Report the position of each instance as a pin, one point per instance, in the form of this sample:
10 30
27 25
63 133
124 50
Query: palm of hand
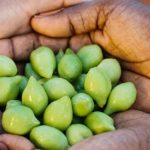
122 45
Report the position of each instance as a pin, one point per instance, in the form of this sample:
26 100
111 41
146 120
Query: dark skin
120 27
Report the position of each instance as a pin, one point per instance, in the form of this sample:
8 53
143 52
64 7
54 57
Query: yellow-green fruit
59 113
70 66
121 98
7 66
112 68
34 96
13 103
58 87
19 120
9 88
43 61
82 104
48 138
30 72
99 122
90 56
98 86
77 133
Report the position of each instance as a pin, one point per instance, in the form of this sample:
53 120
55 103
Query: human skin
122 30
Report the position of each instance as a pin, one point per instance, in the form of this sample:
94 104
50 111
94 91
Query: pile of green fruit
63 99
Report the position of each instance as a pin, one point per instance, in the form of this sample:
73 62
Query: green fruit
43 61
112 68
99 122
79 83
23 84
7 66
13 103
82 104
98 85
121 98
59 55
34 96
9 88
30 72
19 120
59 113
77 133
90 55
48 138
70 66
58 87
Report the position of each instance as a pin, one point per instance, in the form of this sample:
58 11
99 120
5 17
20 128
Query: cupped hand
17 38
122 29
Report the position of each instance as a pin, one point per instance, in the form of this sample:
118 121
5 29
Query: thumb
18 14
15 142
3 146
78 19
48 5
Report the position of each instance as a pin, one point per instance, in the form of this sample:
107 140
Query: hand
122 29
22 43
17 40
132 134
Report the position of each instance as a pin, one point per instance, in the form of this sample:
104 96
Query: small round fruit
78 132
90 56
48 138
19 120
7 66
99 122
112 68
121 98
70 67
82 104
58 87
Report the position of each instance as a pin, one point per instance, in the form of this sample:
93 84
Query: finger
142 84
15 142
3 146
26 9
142 68
127 137
146 2
78 19
20 47
124 139
131 118
54 43
76 42
47 5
